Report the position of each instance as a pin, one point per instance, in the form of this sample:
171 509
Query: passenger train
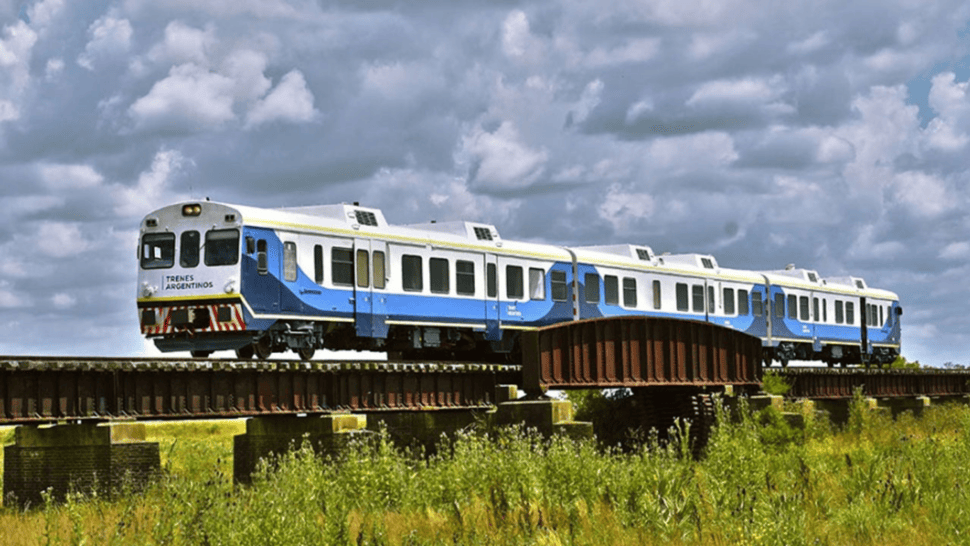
216 277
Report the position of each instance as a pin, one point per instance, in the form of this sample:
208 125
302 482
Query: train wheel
306 354
245 353
200 354
262 348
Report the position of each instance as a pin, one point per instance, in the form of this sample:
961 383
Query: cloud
61 177
190 99
152 187
60 240
184 44
499 161
290 101
110 38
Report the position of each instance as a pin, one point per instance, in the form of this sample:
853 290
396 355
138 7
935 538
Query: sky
831 135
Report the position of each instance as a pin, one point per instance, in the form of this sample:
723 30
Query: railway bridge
79 418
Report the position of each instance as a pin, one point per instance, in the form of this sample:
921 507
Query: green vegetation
878 481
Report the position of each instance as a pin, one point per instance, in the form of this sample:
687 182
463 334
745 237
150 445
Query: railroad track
52 389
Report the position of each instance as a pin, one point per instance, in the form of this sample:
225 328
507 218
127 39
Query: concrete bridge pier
272 436
548 416
99 458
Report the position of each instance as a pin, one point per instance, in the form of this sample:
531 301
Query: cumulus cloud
500 161
190 99
290 101
152 188
110 38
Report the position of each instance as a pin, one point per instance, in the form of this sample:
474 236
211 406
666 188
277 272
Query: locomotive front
189 278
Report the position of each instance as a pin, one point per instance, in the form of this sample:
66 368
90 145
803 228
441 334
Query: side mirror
899 311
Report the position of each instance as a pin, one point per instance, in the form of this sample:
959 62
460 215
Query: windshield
157 250
222 247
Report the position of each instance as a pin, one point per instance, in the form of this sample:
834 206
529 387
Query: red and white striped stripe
163 319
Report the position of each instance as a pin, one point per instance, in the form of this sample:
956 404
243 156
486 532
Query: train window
728 301
815 315
363 269
849 312
656 295
710 300
439 275
537 284
629 292
743 302
250 245
757 304
839 313
683 300
189 244
222 247
262 264
697 293
803 308
557 285
779 305
342 266
491 280
158 250
318 264
792 307
412 276
825 310
611 289
380 269
513 282
465 278
289 261
592 288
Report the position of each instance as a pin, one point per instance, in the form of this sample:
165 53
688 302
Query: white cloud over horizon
833 136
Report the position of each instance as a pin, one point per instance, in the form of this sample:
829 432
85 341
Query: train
223 277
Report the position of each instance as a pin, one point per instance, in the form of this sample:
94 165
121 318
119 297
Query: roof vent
643 254
365 218
483 234
707 263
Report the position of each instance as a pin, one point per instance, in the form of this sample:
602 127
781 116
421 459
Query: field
874 481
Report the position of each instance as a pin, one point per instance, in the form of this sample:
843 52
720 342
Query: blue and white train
217 277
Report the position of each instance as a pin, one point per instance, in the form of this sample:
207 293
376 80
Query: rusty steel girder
891 383
638 352
37 390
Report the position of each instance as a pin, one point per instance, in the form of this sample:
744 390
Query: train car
218 277
339 277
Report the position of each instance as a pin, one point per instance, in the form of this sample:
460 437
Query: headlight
191 210
147 291
231 286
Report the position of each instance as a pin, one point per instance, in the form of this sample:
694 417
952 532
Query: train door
370 284
760 312
512 308
493 325
710 300
262 284
289 293
816 300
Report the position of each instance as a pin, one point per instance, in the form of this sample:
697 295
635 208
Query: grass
877 481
